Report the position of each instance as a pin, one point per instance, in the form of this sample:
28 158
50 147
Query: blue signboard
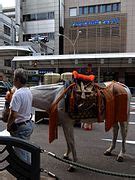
96 22
44 71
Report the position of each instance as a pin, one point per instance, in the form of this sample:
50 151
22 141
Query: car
4 87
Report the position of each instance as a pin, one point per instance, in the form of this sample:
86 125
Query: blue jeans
24 132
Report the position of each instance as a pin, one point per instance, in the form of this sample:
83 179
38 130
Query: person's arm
11 119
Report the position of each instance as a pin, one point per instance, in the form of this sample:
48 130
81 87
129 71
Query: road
90 147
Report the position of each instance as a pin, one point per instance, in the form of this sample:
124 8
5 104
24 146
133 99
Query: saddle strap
53 116
63 93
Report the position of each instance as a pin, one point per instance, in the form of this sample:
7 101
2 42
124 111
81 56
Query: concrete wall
43 26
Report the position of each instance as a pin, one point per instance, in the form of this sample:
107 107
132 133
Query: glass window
80 10
108 8
42 16
92 9
7 62
33 17
26 17
116 7
6 30
85 10
102 9
51 15
73 12
39 16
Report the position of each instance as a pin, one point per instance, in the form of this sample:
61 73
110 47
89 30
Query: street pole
72 43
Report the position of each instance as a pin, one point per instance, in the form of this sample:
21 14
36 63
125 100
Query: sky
7 3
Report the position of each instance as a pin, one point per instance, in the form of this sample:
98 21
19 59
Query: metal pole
72 43
76 40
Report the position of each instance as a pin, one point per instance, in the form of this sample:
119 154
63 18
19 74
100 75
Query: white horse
45 95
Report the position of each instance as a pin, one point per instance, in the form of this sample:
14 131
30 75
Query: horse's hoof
66 158
71 169
120 159
107 153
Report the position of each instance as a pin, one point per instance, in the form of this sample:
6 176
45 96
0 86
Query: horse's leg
114 139
68 128
123 128
68 151
67 125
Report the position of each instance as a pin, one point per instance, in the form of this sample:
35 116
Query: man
19 121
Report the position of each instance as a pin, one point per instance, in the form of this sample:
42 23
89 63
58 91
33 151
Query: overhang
75 56
10 49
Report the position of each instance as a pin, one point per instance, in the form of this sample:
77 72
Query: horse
50 97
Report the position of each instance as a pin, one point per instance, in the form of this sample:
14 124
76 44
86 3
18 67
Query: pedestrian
19 122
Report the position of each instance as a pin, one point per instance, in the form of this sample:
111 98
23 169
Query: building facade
7 29
41 19
106 27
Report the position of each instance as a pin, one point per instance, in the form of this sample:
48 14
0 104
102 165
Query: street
90 146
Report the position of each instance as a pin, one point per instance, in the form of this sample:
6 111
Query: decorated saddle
83 97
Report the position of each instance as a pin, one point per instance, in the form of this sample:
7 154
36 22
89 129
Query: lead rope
83 167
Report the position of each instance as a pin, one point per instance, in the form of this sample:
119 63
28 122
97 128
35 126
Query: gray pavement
90 148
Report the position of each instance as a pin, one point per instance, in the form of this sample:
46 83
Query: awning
74 56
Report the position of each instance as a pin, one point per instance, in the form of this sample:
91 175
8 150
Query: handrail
17 167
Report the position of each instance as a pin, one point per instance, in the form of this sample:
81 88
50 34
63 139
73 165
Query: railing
14 165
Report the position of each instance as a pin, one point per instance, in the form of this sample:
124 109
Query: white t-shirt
22 104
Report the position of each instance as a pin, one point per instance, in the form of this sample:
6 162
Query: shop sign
44 71
96 22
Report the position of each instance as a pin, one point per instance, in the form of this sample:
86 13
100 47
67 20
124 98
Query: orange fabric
83 77
110 111
8 96
53 116
72 102
120 102
116 105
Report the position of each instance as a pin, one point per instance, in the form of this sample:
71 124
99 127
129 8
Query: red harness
76 75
